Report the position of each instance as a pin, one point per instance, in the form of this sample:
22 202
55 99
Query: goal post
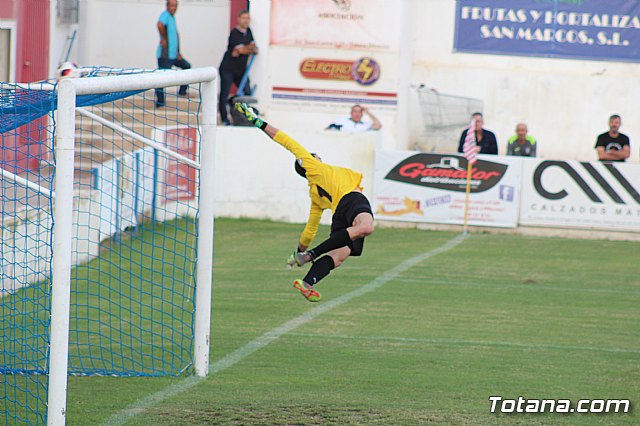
205 228
68 91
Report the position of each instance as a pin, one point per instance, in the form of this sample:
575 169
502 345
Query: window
7 51
68 11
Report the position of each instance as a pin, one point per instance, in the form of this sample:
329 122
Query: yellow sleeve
308 161
310 231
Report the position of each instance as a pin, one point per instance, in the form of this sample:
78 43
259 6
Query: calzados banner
589 195
589 29
418 187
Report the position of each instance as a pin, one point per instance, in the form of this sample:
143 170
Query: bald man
522 144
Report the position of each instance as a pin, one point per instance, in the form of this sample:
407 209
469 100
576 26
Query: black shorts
350 206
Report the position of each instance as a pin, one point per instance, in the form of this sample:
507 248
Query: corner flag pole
469 152
466 199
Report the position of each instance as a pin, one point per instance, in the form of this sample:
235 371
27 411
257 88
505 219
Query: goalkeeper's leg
320 269
353 221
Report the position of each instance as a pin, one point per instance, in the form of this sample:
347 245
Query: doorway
7 51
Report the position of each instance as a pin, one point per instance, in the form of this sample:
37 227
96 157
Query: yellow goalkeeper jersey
327 184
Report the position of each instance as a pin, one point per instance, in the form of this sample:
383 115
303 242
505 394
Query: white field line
241 353
462 342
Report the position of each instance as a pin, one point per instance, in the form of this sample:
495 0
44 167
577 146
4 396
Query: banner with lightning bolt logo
364 71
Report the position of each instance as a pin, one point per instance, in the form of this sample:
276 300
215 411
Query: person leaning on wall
355 122
613 145
168 51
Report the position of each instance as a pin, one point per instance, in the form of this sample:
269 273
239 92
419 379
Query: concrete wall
565 102
123 33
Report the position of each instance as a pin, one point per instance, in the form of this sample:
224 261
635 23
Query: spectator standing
234 62
168 52
613 145
486 142
522 144
354 122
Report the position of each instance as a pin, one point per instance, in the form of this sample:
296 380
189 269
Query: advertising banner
574 29
116 182
337 24
420 187
180 179
330 81
582 195
326 55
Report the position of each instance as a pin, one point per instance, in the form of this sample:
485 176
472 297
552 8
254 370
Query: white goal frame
68 89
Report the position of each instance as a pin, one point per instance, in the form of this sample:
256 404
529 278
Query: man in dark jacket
234 62
485 140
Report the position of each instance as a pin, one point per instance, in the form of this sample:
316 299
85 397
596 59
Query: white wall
58 34
123 33
565 102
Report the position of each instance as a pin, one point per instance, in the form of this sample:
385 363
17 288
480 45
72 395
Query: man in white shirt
354 123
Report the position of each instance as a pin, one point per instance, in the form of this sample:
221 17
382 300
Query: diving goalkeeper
331 187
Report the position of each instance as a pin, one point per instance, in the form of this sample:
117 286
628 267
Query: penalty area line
241 353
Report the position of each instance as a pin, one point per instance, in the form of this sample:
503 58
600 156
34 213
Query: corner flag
469 152
469 147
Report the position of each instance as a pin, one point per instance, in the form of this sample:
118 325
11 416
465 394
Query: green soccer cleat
307 291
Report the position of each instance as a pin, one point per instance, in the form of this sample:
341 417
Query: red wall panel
33 40
22 149
6 9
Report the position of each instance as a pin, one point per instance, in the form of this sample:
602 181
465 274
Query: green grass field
496 315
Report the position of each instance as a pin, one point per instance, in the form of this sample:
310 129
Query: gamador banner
419 187
574 29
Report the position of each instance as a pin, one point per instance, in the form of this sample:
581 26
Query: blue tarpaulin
20 106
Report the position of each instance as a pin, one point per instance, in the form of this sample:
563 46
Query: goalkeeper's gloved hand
250 114
291 261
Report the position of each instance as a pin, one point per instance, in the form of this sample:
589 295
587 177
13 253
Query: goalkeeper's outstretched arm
310 163
270 130
251 116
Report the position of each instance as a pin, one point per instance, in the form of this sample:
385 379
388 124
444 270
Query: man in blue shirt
168 52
